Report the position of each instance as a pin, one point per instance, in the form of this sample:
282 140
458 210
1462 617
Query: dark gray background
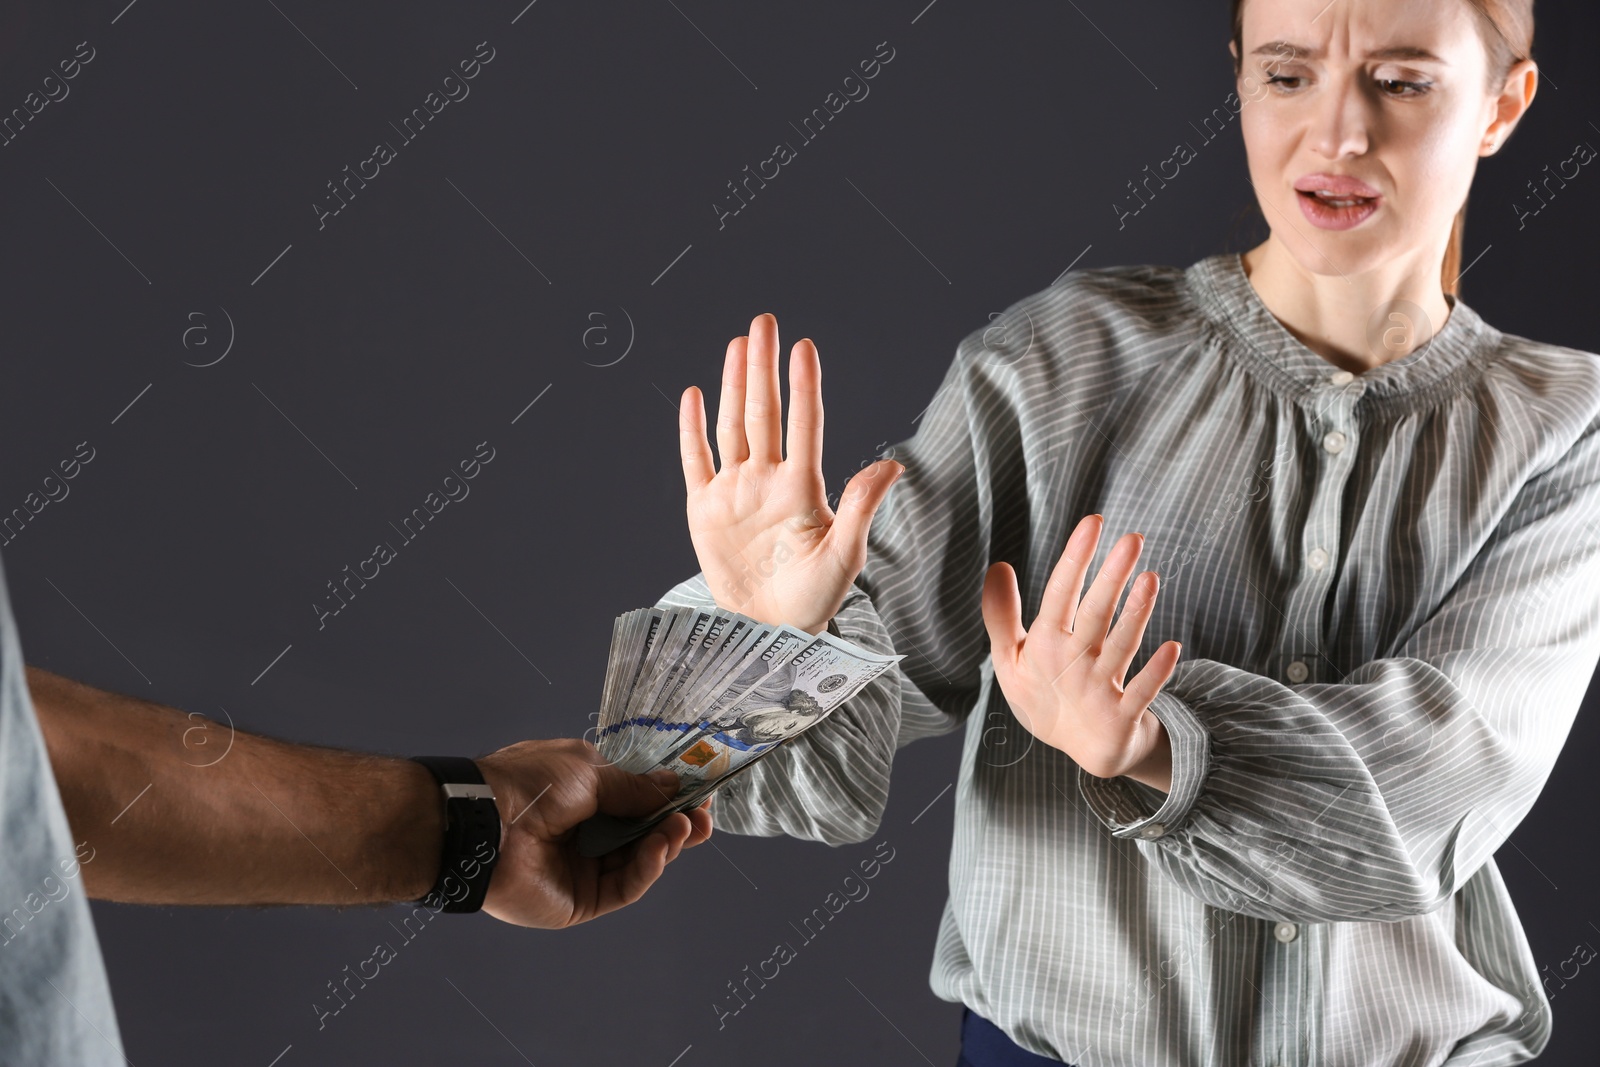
190 150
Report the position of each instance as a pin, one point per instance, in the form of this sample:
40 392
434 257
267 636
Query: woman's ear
1522 82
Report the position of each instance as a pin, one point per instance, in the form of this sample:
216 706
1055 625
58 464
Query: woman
1377 516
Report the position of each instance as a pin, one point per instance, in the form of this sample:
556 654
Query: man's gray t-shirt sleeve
55 1003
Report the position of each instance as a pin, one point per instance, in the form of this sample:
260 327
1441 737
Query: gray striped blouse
1385 585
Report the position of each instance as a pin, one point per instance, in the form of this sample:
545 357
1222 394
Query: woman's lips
1337 212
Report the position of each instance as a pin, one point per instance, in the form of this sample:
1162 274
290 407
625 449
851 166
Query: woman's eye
1396 87
1284 81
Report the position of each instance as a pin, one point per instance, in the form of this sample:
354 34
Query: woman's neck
1354 321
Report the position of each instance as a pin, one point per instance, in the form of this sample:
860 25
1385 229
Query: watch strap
471 835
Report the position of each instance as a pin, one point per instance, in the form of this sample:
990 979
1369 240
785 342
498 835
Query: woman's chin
1340 254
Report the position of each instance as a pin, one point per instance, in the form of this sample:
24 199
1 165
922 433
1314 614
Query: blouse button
1343 377
1297 671
1317 558
1334 442
1285 932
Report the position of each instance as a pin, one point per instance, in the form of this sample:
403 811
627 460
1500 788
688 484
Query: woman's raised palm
768 543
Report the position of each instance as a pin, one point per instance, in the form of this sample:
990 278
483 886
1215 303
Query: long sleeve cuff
1133 809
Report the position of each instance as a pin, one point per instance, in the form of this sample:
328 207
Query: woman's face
1382 105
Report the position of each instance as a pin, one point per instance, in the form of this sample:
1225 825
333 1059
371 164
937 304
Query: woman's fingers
750 411
731 444
1058 607
692 444
1100 602
805 406
1144 686
763 408
1123 642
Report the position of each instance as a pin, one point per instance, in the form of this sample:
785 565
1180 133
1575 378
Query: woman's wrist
1155 770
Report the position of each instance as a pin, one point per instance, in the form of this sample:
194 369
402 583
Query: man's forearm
172 820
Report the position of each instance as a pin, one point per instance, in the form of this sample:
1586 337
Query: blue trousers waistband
983 1044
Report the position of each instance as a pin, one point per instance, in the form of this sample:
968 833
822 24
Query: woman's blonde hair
1507 30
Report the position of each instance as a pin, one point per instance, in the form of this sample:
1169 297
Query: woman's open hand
768 543
1064 677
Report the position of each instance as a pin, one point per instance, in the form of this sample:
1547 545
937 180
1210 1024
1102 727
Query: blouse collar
1445 365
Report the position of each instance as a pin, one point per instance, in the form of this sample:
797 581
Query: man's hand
1064 677
544 789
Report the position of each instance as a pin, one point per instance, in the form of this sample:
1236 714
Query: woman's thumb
857 504
1002 615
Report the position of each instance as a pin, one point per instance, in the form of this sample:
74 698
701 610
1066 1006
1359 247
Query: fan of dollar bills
707 693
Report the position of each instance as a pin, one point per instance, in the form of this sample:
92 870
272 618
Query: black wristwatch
471 835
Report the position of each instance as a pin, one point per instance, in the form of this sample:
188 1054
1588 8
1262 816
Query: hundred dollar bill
656 711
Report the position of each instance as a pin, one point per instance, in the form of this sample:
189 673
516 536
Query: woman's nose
1340 122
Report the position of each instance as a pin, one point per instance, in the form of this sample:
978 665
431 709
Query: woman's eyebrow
1407 52
1288 50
